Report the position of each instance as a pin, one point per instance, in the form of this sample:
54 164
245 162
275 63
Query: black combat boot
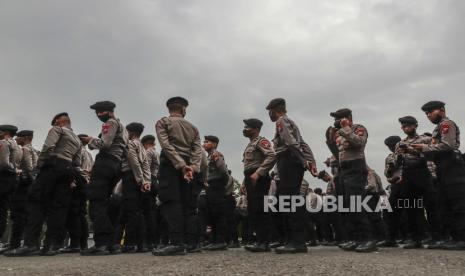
23 251
291 249
366 247
170 250
258 247
411 244
95 251
217 246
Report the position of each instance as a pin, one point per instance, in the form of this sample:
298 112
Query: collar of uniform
176 115
443 119
414 137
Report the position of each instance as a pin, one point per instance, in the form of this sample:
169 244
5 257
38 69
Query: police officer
49 196
294 156
351 140
105 174
444 149
18 212
9 157
259 159
215 193
136 181
417 182
180 158
76 220
149 198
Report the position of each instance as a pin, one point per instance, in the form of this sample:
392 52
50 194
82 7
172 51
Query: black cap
135 127
10 128
58 116
177 100
253 123
433 105
25 133
276 102
408 120
391 141
341 113
82 135
148 139
103 106
212 138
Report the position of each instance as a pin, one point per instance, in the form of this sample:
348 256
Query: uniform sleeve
52 139
5 157
27 163
270 157
204 166
356 138
161 128
285 133
109 130
448 141
134 163
219 161
146 167
196 152
307 152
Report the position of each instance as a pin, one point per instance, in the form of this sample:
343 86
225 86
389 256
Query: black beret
212 138
148 139
341 113
25 133
58 116
253 123
82 135
103 106
10 128
177 100
135 127
408 120
433 105
392 141
275 103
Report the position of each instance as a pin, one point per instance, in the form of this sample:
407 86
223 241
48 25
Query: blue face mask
105 117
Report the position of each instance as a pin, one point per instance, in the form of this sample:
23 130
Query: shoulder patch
265 143
360 131
105 128
445 128
279 126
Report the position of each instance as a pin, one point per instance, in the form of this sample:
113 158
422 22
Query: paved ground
319 261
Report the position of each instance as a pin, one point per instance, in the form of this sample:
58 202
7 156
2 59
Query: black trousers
179 202
76 221
259 219
149 217
393 218
8 182
215 196
419 193
291 173
451 175
353 178
105 174
376 219
132 210
18 212
232 235
48 201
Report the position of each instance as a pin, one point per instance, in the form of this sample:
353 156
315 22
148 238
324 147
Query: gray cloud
383 59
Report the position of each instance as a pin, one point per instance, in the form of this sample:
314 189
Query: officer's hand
345 122
146 187
419 147
254 177
86 139
205 184
243 190
73 185
188 173
312 169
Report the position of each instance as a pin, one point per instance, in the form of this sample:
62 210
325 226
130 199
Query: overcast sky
382 59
